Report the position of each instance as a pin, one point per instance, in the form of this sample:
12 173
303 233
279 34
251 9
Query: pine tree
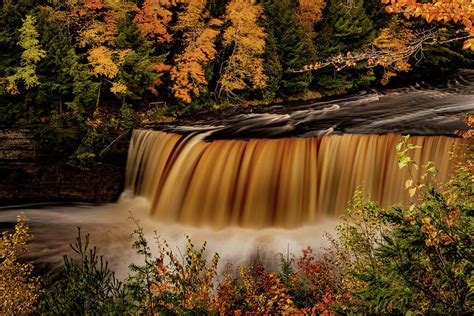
288 44
143 66
347 27
57 85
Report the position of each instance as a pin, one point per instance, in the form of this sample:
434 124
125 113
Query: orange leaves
308 13
247 40
437 10
93 4
191 17
188 74
152 20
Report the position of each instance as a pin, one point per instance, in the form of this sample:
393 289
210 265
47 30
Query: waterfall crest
285 182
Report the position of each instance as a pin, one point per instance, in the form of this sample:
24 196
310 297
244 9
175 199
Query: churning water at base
110 228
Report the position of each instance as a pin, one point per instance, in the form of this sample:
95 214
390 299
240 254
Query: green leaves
86 285
31 55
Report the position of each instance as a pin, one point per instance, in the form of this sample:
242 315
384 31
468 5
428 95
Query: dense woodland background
81 72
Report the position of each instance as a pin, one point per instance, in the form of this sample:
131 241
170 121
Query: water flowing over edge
285 182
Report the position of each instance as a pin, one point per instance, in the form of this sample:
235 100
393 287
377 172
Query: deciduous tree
32 54
309 12
153 19
199 34
458 11
246 41
19 290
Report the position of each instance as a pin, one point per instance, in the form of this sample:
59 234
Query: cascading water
287 182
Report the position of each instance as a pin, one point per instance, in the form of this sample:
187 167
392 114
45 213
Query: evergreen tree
346 27
57 40
287 49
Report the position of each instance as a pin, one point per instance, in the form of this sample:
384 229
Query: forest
84 75
81 72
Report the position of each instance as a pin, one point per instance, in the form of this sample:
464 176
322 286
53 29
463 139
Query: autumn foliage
19 289
200 32
309 12
458 11
152 20
246 41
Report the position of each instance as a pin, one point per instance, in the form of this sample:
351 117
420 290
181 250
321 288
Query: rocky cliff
30 176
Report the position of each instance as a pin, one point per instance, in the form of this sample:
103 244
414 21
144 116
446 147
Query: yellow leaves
393 41
435 237
18 289
96 34
469 44
191 17
122 54
100 58
247 41
118 88
105 62
188 74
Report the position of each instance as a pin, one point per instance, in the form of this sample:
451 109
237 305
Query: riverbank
28 175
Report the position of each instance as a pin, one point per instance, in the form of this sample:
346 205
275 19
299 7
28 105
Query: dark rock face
28 176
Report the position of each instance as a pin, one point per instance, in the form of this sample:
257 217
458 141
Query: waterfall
284 182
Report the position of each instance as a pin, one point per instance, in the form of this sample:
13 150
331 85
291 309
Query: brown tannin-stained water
285 182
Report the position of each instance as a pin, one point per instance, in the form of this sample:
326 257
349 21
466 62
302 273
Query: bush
166 284
415 259
86 286
19 290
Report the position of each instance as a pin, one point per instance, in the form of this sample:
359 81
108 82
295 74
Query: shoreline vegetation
403 259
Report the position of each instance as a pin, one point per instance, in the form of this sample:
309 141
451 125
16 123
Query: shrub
414 259
86 286
255 291
167 284
19 290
